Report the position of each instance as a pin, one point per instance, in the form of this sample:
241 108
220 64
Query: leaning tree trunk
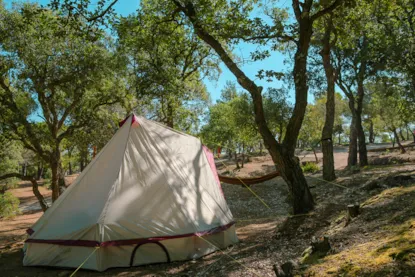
35 187
395 133
282 154
401 134
327 133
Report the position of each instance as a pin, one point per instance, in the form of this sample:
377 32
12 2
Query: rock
286 269
321 244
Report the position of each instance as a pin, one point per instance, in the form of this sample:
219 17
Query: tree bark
243 155
236 161
363 160
352 158
35 187
169 119
55 166
401 134
371 133
39 170
327 133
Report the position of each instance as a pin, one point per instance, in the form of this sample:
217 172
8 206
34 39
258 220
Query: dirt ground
379 242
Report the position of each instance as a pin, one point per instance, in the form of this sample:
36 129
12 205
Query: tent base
178 249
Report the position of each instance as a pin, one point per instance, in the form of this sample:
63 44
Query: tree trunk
371 133
236 161
401 134
363 161
260 148
315 154
352 159
395 133
339 138
39 170
57 176
327 133
169 119
290 169
243 155
24 169
70 163
39 196
55 180
35 187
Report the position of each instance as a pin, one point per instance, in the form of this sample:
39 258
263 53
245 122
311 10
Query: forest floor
378 242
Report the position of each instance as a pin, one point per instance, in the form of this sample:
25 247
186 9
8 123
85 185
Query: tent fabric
150 187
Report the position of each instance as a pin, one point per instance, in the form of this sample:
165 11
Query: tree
327 133
54 76
230 123
167 65
390 102
358 56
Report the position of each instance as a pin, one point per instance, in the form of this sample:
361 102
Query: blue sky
243 50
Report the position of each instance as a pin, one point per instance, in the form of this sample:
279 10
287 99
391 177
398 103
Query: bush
47 183
310 168
9 205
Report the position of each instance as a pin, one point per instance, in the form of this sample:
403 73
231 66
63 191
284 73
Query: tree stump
353 210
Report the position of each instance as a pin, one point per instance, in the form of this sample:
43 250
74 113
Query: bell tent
151 195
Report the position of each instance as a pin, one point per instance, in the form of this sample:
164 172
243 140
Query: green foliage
9 205
230 123
167 63
10 157
310 134
310 168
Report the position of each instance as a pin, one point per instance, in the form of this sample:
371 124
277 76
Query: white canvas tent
151 195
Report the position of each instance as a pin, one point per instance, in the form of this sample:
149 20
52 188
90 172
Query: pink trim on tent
134 121
92 243
211 160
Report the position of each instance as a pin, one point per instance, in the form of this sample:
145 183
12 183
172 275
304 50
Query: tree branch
103 12
35 187
327 10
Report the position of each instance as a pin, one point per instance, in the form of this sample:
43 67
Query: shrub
9 205
47 183
310 168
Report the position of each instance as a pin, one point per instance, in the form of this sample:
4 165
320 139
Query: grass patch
388 194
373 257
310 168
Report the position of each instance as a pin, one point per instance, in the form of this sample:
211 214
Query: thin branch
103 12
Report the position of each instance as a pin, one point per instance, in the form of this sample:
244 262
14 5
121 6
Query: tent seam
118 174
